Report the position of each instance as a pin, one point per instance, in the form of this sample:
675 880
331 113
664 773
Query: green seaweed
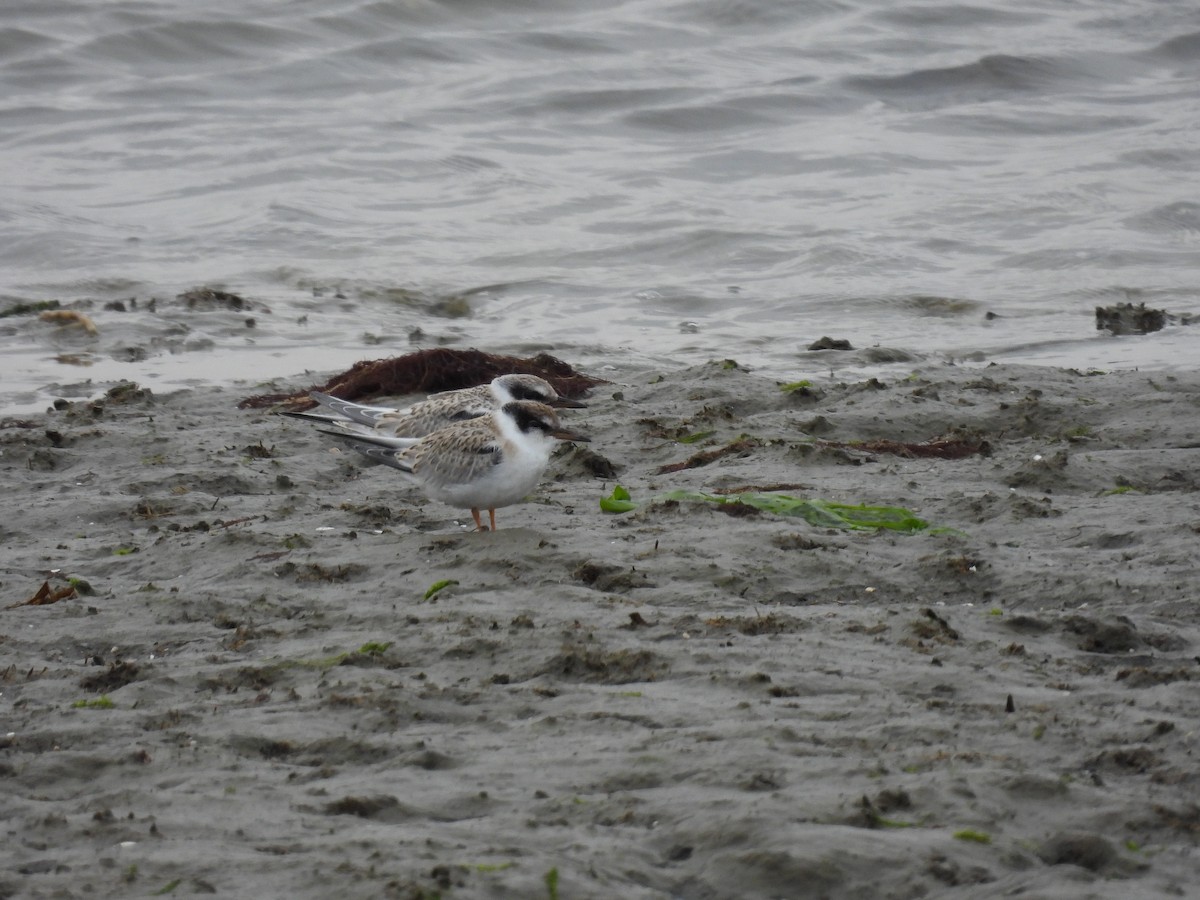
439 586
694 438
320 663
970 834
167 888
820 513
101 702
552 883
26 309
374 648
618 501
792 386
370 648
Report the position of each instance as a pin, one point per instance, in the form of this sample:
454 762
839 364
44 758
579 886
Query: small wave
468 164
569 42
1181 218
939 307
1067 258
171 44
609 99
697 119
1108 294
407 48
1024 123
18 43
954 17
1182 48
757 15
1168 159
990 77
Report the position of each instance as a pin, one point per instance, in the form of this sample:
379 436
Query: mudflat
272 670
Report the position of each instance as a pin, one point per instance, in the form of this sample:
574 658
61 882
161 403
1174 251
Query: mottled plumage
438 410
487 462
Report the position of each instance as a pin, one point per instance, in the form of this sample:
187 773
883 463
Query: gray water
673 180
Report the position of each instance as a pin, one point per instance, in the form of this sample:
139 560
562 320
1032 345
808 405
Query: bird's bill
567 403
564 434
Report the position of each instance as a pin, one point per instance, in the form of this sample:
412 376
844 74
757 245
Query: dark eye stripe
526 420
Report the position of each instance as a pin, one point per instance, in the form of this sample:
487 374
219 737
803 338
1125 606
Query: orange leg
478 521
492 518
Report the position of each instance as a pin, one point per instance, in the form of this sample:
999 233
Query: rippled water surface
683 180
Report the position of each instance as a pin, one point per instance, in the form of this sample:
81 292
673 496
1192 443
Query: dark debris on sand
429 371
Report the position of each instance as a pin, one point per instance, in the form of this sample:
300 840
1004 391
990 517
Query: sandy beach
257 687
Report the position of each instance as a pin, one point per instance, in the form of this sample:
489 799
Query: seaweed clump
428 371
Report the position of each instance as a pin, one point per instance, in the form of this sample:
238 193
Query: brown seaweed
70 317
1125 318
938 448
46 595
741 445
428 371
211 298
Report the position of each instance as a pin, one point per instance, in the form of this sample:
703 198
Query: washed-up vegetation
817 512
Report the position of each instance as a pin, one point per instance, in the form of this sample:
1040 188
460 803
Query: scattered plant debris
374 648
211 298
101 702
821 513
771 623
1125 318
439 586
828 343
970 834
425 371
363 807
259 451
752 488
46 595
937 448
69 317
25 309
117 675
741 445
934 627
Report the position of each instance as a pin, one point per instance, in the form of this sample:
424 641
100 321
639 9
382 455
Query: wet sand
252 695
